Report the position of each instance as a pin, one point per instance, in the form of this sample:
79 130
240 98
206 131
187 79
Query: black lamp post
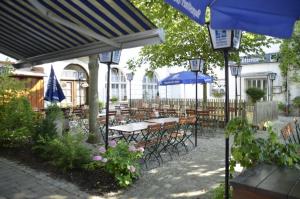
80 77
109 58
272 77
129 78
235 71
196 66
225 40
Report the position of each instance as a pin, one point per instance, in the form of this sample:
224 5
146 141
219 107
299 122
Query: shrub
281 106
219 192
18 122
114 99
296 101
101 105
255 94
66 152
249 151
120 160
47 127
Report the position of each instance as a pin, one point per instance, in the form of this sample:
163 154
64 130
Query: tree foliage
290 55
185 39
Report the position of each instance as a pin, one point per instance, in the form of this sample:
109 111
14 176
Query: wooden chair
150 141
290 133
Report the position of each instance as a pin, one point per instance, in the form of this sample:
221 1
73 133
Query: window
258 83
150 87
118 84
73 82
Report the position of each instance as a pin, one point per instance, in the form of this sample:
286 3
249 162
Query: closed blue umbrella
269 17
54 92
185 77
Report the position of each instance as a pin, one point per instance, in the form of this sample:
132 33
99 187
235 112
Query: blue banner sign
194 9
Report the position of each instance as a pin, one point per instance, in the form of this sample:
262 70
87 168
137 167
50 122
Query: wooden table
267 182
163 120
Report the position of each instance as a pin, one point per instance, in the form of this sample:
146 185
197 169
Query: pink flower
131 148
102 149
104 160
131 168
141 149
112 143
97 157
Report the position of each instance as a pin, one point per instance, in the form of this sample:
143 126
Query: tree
290 55
185 39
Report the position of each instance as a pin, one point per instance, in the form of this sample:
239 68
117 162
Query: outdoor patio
189 175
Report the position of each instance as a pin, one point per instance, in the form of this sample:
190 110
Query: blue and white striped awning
40 31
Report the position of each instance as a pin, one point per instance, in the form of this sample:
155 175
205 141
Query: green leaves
247 150
289 55
185 39
122 162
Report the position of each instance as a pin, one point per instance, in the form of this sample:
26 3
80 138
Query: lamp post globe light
109 58
236 71
225 40
129 78
196 66
272 77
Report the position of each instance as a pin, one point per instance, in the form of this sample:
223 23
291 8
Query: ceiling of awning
40 31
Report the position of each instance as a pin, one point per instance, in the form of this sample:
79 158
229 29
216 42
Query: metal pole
226 121
271 90
107 105
236 97
79 93
130 94
240 87
196 124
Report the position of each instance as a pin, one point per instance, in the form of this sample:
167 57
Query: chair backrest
287 133
154 128
191 120
190 112
169 126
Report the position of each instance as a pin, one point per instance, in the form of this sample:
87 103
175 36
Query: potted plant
114 100
255 94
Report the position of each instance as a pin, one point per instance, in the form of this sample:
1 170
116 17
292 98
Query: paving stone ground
20 182
188 176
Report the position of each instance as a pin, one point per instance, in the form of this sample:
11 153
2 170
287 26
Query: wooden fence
180 104
255 114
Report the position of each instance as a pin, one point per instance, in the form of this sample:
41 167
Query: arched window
118 84
74 84
150 87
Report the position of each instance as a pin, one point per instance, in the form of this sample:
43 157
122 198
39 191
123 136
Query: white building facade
74 74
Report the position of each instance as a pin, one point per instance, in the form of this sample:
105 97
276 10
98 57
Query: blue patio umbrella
185 77
269 17
54 92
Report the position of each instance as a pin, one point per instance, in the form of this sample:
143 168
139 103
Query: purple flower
112 143
102 149
104 160
131 168
97 158
131 148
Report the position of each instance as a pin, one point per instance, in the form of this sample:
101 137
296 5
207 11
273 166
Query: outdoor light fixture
196 66
225 40
112 57
236 71
130 78
272 77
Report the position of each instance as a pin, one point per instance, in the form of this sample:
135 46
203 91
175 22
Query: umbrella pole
226 121
107 105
